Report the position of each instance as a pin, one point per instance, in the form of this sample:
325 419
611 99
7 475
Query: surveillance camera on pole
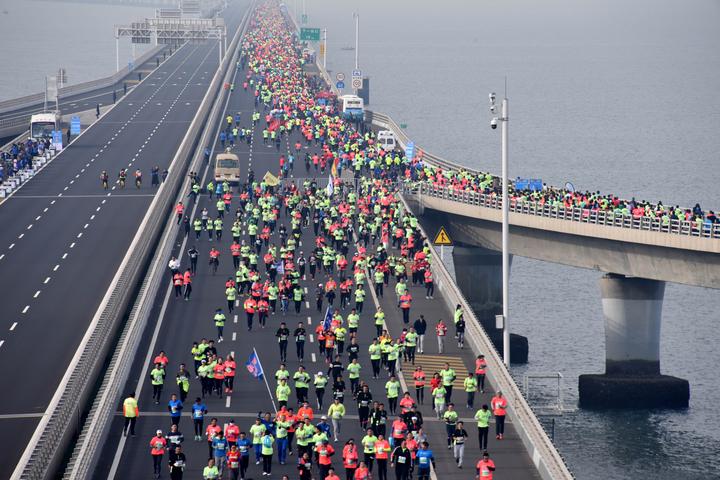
505 217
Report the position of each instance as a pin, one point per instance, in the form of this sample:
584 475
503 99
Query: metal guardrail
34 99
542 451
535 208
96 427
46 449
583 215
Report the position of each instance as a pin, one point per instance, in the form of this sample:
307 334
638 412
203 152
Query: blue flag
254 367
328 319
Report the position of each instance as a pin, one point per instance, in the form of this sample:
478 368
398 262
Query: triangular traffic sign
442 237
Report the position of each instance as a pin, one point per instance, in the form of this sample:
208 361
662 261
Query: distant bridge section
632 246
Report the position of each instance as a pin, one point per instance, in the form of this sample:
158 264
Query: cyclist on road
138 178
104 179
122 176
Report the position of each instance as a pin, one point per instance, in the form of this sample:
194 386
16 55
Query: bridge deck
185 322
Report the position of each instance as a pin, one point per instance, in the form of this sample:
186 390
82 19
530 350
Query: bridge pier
632 308
478 273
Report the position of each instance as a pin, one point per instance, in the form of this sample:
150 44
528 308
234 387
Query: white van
386 140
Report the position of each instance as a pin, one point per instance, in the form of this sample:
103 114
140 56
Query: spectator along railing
575 214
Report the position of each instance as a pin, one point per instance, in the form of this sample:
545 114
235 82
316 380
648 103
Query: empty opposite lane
63 237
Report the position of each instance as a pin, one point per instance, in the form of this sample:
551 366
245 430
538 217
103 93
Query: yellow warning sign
271 179
442 238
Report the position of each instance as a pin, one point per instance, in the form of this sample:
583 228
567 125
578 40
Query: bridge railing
675 226
575 214
37 98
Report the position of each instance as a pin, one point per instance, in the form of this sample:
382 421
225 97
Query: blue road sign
340 85
75 126
57 139
410 150
532 184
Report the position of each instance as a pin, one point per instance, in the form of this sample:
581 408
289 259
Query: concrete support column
478 274
632 309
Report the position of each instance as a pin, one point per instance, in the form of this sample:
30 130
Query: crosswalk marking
435 363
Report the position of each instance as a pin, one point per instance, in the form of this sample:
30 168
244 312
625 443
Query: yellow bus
227 168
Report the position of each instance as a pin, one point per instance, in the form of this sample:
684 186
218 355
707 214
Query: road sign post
357 80
310 34
442 239
75 125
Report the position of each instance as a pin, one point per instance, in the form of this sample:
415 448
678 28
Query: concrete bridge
636 254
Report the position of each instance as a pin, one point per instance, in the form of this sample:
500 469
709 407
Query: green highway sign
311 34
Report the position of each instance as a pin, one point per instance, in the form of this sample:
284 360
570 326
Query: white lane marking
312 355
53 202
64 256
72 245
1 342
65 188
97 209
11 246
46 209
307 304
30 226
235 320
27 307
311 338
103 202
47 280
21 236
37 294
55 268
2 256
306 290
12 327
234 337
227 402
79 235
38 218
92 217
309 320
86 225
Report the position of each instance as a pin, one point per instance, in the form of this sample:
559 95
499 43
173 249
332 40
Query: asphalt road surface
182 322
63 236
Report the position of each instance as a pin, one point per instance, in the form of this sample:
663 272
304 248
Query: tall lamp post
503 120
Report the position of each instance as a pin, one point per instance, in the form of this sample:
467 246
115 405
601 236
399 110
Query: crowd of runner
363 239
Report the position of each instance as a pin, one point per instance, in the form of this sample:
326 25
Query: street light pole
357 41
503 119
356 16
505 235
